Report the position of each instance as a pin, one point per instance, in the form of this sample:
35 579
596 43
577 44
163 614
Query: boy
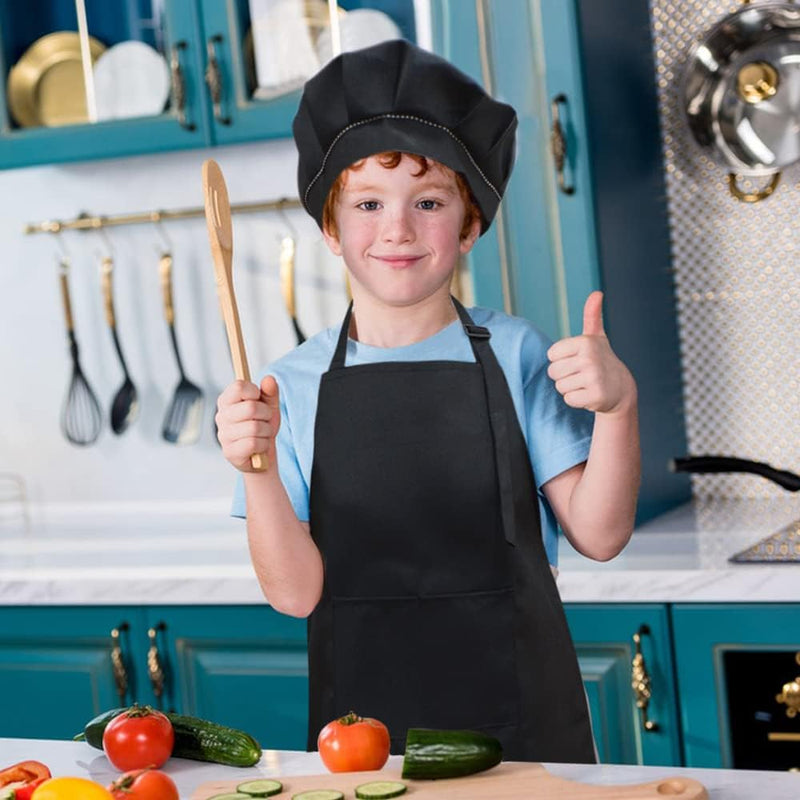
407 450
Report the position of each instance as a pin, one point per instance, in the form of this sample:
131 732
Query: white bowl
358 28
131 79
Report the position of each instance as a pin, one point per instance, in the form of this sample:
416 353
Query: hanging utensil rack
85 222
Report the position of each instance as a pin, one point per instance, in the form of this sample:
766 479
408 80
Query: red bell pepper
25 777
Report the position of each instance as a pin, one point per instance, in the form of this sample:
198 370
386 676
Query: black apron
439 608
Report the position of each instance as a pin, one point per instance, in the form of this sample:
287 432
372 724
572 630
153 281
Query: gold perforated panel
737 275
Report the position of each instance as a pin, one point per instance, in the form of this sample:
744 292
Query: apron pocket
445 661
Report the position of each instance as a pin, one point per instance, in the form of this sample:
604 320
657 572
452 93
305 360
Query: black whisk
81 417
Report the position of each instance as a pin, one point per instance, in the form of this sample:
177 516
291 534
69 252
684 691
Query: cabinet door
45 113
240 666
733 661
57 670
255 67
603 636
613 228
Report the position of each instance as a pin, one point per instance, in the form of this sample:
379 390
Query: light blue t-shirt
557 435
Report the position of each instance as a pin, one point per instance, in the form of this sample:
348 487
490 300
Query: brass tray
45 87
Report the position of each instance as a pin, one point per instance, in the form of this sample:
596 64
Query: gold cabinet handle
155 668
558 144
752 197
213 76
178 85
790 694
640 680
118 662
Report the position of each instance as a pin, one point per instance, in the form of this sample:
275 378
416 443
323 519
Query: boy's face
399 233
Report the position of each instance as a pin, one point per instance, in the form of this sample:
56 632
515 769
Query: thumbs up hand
586 371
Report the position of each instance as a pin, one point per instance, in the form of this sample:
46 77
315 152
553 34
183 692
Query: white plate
131 79
358 28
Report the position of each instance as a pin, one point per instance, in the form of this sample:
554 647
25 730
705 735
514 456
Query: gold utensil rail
86 222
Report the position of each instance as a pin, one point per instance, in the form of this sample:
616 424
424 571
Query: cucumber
380 790
197 739
262 787
448 754
202 740
231 796
319 794
93 730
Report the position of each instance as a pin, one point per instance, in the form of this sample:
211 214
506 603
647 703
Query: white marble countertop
195 553
78 759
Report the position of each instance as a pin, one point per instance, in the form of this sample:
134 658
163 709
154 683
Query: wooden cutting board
507 781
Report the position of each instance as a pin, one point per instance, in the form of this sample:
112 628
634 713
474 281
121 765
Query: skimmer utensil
185 412
220 235
81 417
125 405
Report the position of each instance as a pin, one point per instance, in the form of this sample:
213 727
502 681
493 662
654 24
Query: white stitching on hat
395 116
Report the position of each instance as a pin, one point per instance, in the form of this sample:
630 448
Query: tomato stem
139 711
350 719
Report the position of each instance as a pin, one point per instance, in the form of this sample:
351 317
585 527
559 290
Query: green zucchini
261 787
380 790
195 738
448 754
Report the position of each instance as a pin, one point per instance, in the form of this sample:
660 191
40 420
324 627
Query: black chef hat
396 96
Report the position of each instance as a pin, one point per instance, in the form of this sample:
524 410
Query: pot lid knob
757 81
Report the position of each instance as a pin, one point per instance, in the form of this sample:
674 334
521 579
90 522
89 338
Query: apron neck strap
478 335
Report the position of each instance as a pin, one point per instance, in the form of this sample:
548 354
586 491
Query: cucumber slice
231 796
319 794
262 787
380 790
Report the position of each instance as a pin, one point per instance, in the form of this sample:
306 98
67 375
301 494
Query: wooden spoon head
218 209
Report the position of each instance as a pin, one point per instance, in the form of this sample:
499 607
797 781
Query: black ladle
185 412
125 405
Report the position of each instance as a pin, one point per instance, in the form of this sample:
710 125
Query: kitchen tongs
220 235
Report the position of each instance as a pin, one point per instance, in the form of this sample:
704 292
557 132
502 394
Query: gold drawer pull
118 662
155 669
640 680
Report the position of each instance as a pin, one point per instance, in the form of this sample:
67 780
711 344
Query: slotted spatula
220 235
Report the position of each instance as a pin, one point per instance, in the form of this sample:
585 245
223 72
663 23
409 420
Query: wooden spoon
220 235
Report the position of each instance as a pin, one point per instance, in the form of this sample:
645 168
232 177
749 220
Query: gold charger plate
45 87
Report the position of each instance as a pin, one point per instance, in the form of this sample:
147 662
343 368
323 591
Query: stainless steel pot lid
741 89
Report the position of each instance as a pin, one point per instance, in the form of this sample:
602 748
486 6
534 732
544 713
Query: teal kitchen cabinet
239 111
604 637
57 667
243 666
738 668
183 124
599 222
214 98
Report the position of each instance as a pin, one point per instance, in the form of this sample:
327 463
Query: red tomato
138 738
144 784
23 772
352 743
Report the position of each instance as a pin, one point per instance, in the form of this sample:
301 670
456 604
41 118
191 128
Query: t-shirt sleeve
289 468
558 435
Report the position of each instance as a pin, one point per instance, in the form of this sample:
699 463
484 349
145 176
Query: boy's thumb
269 390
